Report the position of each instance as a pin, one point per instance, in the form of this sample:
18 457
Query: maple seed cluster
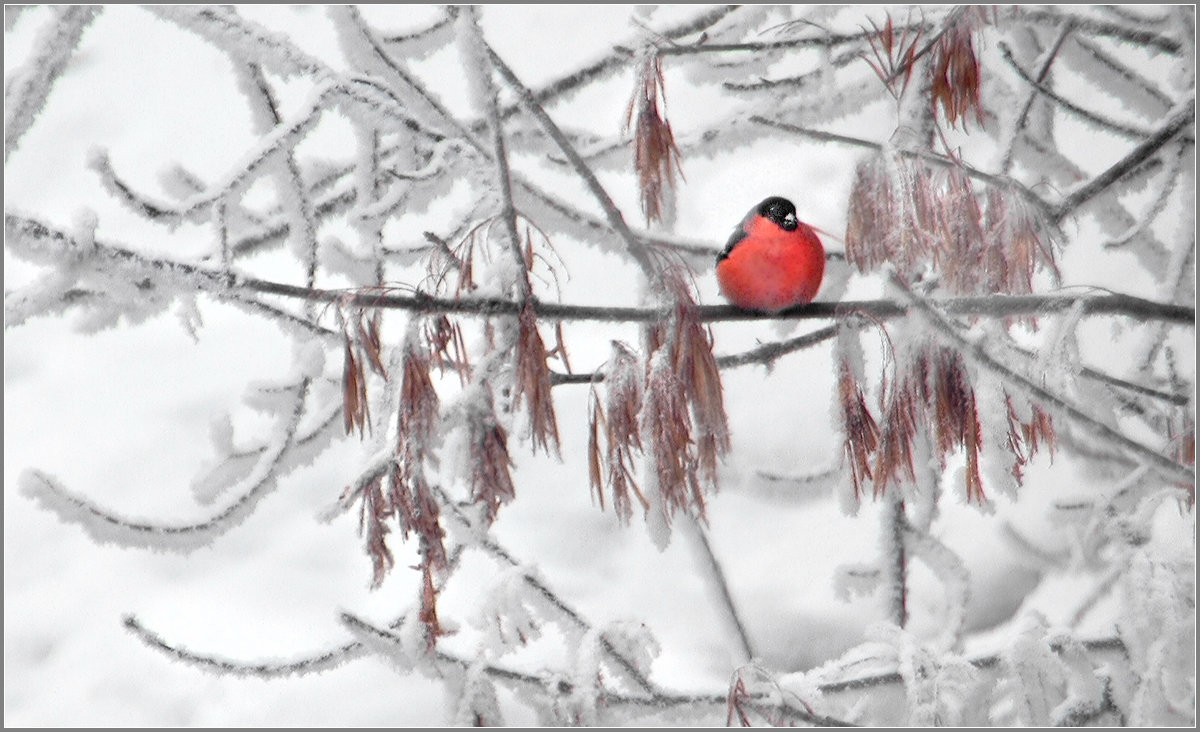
930 391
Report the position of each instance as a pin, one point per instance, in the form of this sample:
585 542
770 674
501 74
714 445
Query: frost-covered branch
925 155
1103 645
39 242
1093 117
251 481
316 663
1183 119
1104 28
717 574
25 93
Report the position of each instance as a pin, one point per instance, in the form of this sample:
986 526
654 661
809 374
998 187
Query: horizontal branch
987 306
32 235
825 41
982 662
553 686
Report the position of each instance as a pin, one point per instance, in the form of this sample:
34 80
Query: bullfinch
772 261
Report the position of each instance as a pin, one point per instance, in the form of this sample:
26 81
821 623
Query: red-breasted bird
773 260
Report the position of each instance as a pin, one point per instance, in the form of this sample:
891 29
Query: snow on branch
26 91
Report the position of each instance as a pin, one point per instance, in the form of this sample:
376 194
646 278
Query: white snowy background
123 416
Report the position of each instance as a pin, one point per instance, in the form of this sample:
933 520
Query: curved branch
106 526
323 661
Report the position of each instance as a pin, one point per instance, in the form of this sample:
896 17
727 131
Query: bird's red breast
767 267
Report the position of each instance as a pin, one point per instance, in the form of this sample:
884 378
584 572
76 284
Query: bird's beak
790 220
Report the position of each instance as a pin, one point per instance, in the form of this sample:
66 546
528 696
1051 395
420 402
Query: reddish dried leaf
428 613
861 434
900 421
491 476
533 382
656 155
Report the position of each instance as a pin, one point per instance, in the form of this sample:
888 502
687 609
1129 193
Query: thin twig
508 211
1103 28
558 603
1050 56
928 156
718 577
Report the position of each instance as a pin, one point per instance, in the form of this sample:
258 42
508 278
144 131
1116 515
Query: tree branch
1090 116
926 155
1178 122
37 237
1104 28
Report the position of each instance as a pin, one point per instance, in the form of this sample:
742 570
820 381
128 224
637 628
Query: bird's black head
781 211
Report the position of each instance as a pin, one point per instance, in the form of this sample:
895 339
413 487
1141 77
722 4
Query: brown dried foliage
428 613
618 425
957 75
683 418
447 348
491 476
1024 438
655 154
362 347
374 512
930 390
415 425
675 412
735 704
904 213
894 56
858 427
900 420
955 415
533 382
